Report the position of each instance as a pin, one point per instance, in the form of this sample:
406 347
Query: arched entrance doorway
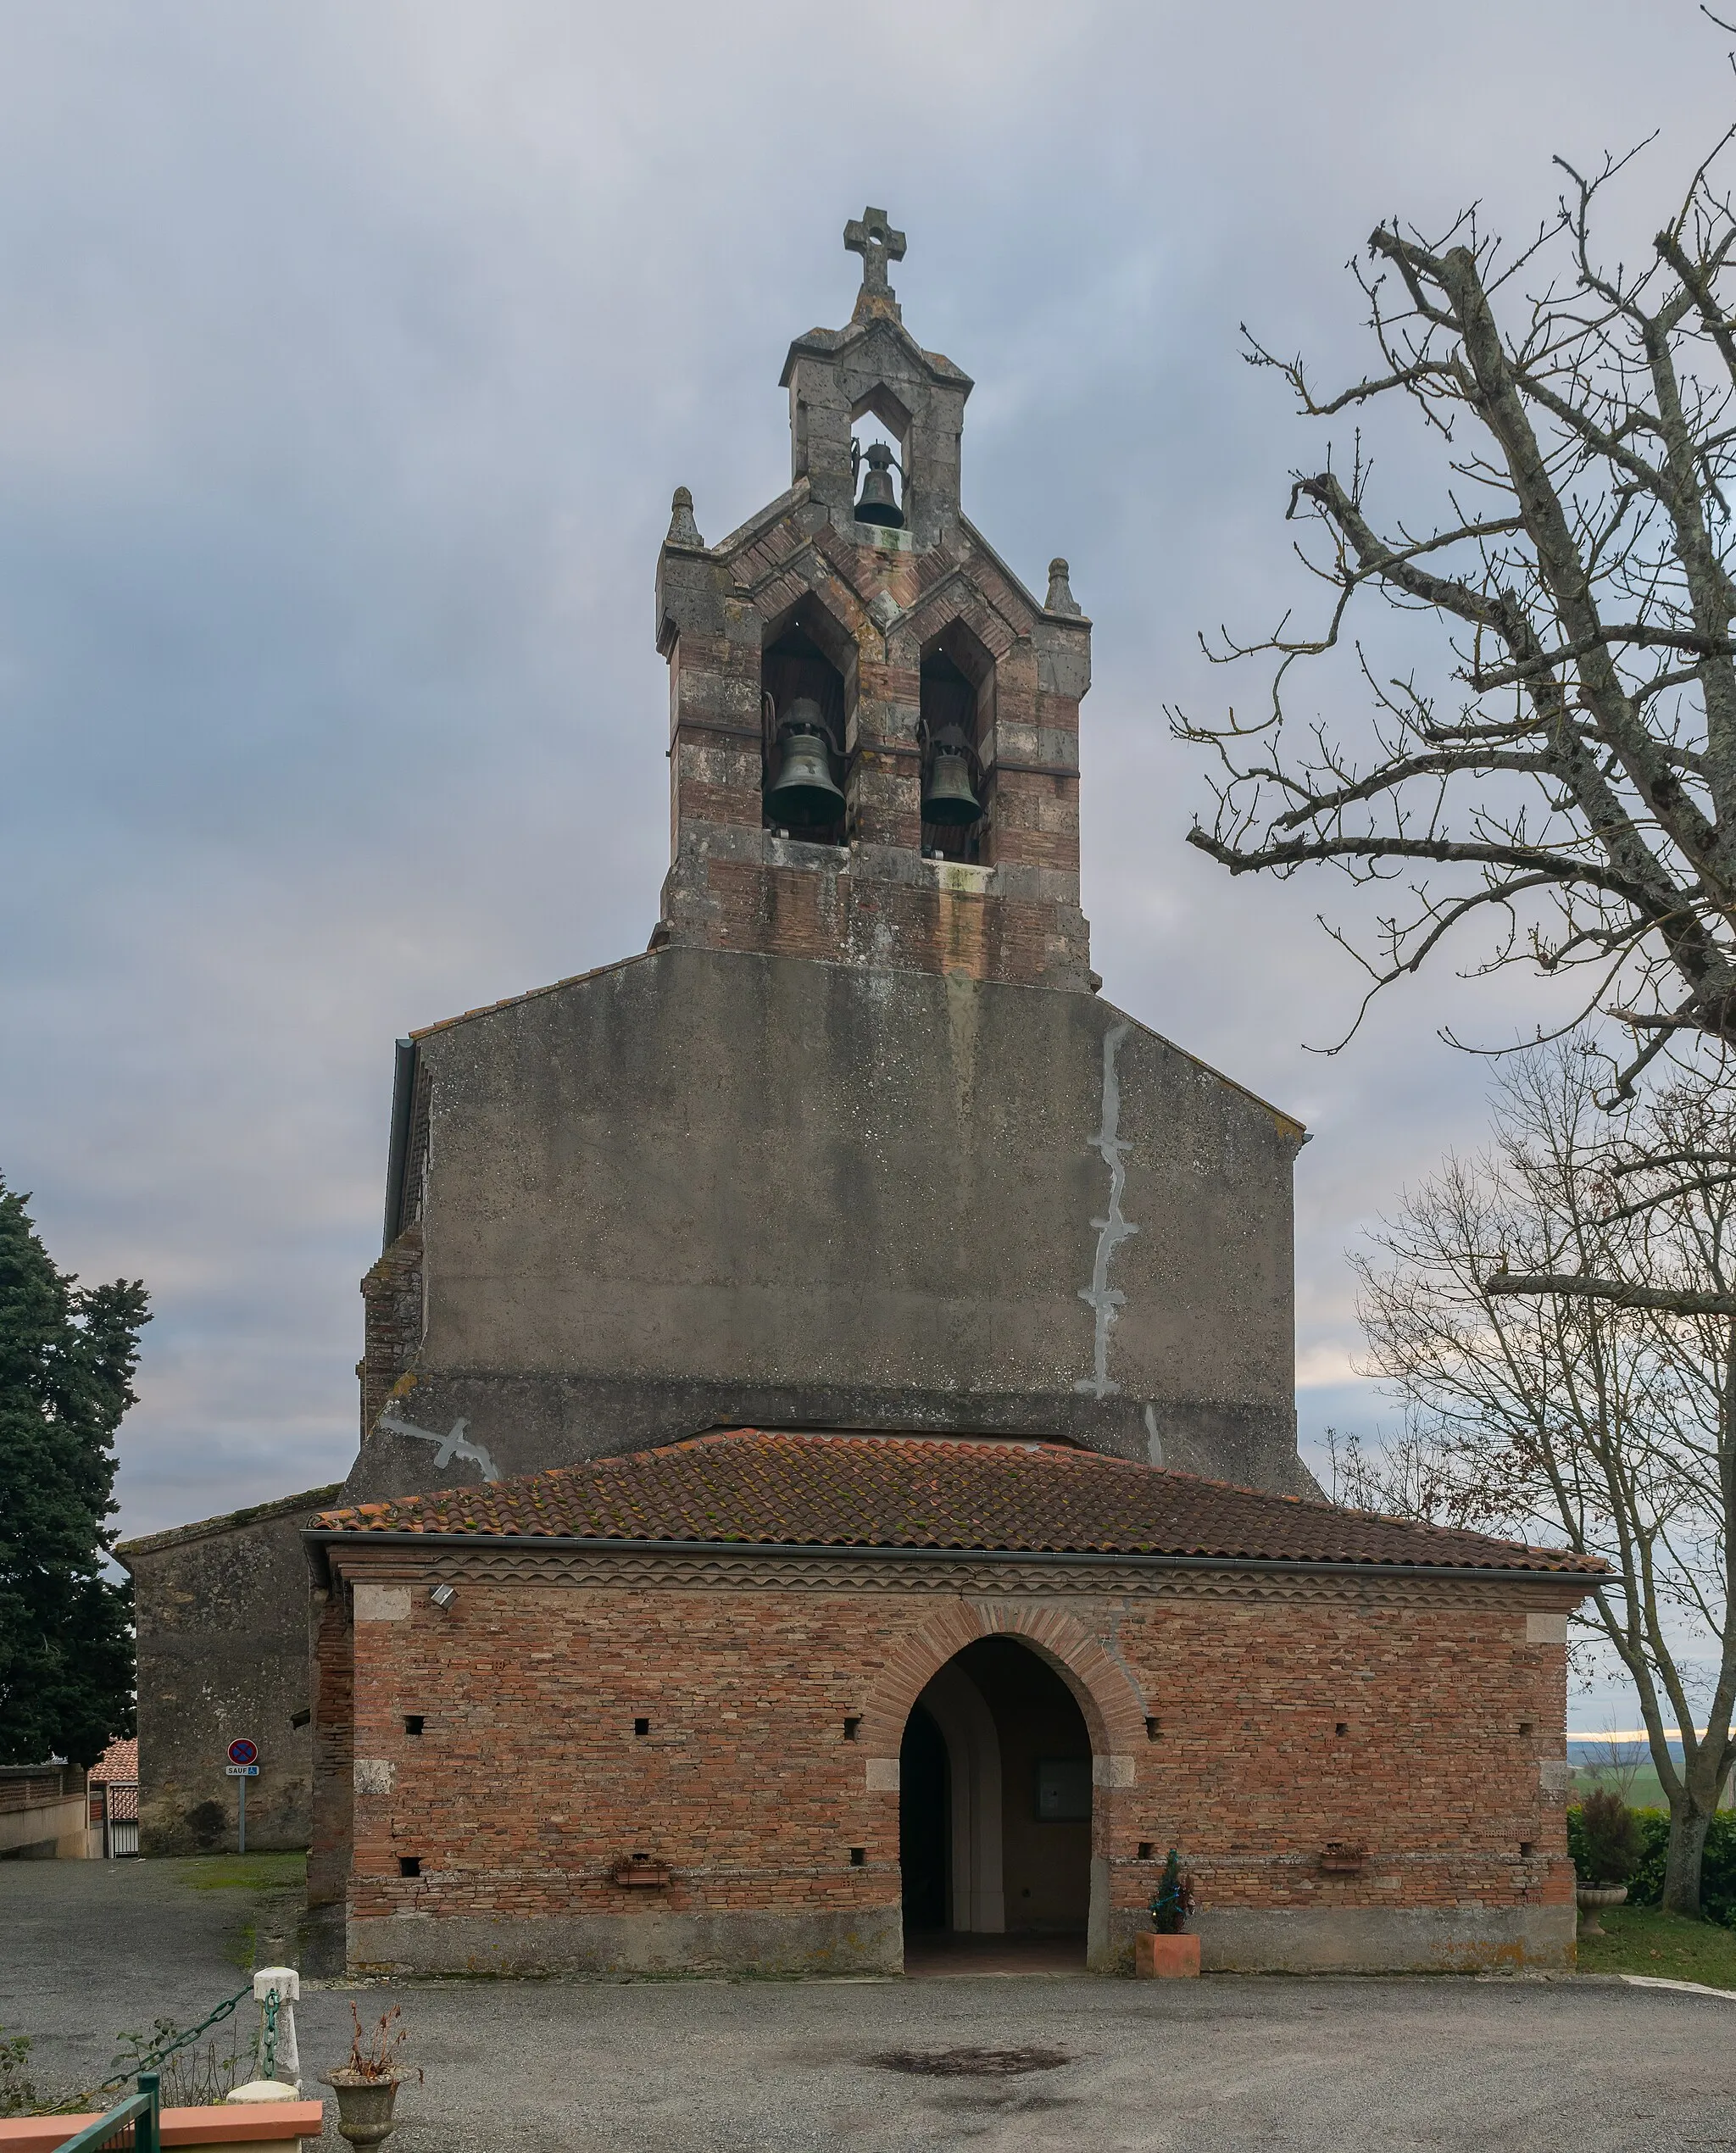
995 1811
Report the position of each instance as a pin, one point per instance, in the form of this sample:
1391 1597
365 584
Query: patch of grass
273 1888
1643 1940
246 1871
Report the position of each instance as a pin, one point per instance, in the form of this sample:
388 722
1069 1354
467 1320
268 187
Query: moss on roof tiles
761 1487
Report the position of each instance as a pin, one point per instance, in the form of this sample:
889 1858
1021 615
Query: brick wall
331 1652
878 606
830 913
1426 1723
391 1302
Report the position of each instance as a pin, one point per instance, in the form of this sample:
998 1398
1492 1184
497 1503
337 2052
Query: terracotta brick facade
1250 1721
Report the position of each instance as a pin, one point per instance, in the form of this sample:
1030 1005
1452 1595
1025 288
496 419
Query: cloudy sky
348 355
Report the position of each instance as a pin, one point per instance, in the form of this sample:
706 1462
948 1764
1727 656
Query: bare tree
1609 1425
1576 791
1610 1762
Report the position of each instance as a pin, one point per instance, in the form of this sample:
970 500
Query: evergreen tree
67 1356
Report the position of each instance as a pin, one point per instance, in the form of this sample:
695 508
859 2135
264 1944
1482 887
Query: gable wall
704 1189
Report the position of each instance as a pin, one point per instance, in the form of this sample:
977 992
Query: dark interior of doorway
925 1826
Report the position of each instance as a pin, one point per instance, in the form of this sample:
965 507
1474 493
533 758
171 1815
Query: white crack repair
1112 1229
457 1445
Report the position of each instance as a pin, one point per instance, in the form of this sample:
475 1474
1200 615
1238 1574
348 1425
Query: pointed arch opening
995 1810
957 690
807 674
880 473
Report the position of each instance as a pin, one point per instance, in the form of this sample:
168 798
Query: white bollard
279 2059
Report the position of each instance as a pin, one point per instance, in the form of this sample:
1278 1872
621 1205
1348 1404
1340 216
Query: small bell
880 502
804 791
947 796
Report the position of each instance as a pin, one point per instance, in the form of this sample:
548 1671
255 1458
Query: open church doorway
994 1817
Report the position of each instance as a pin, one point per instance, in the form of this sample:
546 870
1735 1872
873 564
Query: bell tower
874 726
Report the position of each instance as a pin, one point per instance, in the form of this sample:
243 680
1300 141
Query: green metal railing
133 2123
147 2065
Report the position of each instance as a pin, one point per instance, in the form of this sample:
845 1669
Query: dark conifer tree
67 1356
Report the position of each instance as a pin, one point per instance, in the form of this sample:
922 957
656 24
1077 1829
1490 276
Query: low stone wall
42 1813
1385 1939
651 1942
50 1831
286 2124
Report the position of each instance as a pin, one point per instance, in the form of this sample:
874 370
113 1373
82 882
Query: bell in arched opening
803 791
880 502
948 796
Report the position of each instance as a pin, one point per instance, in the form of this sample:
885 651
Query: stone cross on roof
872 238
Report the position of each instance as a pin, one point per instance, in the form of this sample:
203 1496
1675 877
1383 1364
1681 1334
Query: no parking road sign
244 1764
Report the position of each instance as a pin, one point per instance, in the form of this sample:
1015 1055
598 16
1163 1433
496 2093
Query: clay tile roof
898 1491
119 1762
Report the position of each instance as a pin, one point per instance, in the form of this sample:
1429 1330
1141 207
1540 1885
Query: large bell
947 797
880 502
803 791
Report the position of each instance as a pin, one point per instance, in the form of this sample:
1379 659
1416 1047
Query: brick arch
842 615
1113 1708
956 598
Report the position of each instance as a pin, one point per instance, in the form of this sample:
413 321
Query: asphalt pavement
1051 2063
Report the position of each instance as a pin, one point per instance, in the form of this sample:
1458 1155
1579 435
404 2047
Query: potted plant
367 2085
1609 1848
1164 1951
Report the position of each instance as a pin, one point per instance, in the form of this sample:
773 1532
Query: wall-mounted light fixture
442 1595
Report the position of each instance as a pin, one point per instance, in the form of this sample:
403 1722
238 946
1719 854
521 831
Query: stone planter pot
1165 1958
1589 1898
364 2106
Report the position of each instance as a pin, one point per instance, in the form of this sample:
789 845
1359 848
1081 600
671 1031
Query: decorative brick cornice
847 1571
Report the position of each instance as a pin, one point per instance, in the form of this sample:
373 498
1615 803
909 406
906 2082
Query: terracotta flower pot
364 2106
1165 1958
1590 1897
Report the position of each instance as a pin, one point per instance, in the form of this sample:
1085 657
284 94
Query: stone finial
683 529
1060 598
872 238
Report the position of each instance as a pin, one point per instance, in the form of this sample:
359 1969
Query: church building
828 1482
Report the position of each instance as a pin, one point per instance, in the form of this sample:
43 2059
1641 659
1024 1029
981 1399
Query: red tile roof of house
760 1489
119 1762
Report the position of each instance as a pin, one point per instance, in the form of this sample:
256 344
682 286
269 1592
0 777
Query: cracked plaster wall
709 1187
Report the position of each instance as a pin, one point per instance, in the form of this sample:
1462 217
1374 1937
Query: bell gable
873 723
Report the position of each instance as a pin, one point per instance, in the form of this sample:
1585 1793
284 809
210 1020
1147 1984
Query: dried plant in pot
367 2084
